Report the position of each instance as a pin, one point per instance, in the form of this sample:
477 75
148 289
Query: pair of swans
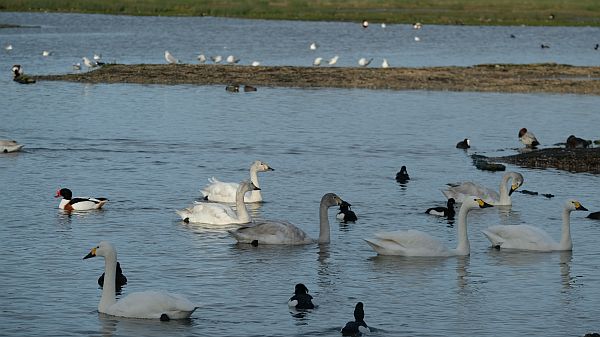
145 304
416 243
220 214
467 189
225 192
279 232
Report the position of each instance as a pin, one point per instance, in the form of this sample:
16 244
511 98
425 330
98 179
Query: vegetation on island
467 12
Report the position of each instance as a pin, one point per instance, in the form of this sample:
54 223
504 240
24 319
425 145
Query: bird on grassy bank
317 61
363 62
170 58
577 143
333 60
528 138
19 75
385 64
232 59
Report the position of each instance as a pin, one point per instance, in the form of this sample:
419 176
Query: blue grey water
150 149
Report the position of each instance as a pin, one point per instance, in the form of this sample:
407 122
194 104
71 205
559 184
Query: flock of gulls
224 203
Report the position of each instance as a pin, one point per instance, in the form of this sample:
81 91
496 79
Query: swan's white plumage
170 58
416 243
219 214
7 145
145 304
225 192
462 190
279 232
525 237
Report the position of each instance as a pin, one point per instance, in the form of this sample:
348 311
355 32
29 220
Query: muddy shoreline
511 78
572 160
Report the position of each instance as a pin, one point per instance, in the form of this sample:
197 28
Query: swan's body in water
146 304
220 214
525 237
462 190
278 232
7 145
358 326
416 243
225 192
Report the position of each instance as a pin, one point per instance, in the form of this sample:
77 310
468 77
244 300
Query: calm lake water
150 149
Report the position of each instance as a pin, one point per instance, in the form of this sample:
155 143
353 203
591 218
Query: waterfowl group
416 243
150 304
225 192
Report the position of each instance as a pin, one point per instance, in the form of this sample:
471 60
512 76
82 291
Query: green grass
468 12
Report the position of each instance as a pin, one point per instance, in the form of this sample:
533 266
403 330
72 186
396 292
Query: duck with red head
528 138
68 203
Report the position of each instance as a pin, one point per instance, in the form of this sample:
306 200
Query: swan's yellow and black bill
92 253
513 188
483 204
579 206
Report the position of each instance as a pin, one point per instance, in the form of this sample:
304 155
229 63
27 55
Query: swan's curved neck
504 197
108 289
324 235
240 205
254 178
565 239
463 247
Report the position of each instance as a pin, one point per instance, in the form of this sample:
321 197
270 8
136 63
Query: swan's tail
184 213
494 239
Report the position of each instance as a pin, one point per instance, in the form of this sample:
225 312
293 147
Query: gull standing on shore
333 60
170 58
363 62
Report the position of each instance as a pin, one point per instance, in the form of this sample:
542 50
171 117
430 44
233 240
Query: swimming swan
220 214
144 304
7 145
225 192
416 243
525 237
278 232
460 191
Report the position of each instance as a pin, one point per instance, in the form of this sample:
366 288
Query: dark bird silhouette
301 298
353 328
120 279
346 214
595 216
447 211
402 176
464 144
577 143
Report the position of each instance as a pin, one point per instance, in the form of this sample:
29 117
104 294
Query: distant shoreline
444 12
510 78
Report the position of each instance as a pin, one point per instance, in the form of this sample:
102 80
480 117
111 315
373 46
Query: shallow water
150 149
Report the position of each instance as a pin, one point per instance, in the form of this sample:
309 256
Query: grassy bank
481 12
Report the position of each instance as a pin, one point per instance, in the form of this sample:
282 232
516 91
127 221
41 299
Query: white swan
385 64
363 62
145 304
525 237
225 192
333 60
277 232
462 190
7 146
220 214
317 61
416 243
